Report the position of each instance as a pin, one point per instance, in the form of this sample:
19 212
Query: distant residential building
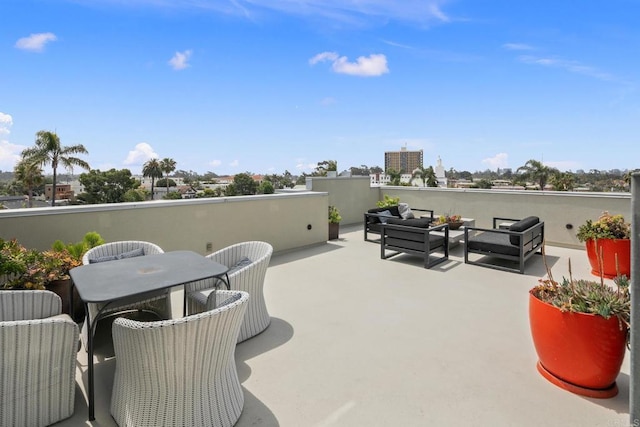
403 160
63 192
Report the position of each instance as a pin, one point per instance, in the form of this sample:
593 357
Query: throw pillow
102 259
405 211
131 254
383 216
244 261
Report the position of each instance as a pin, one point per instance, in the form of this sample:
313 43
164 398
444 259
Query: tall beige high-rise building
403 161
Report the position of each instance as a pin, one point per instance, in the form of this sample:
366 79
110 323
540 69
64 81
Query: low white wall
287 221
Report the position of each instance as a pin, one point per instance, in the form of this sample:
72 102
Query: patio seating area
356 340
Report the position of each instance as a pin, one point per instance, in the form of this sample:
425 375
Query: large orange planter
578 352
609 248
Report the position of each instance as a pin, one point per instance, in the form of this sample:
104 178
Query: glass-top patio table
107 282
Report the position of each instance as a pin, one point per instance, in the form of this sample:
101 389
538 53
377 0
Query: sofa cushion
415 222
522 225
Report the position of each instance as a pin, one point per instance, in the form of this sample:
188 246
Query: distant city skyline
268 86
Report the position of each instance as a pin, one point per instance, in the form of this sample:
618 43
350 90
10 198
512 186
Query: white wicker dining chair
38 348
180 372
156 302
243 276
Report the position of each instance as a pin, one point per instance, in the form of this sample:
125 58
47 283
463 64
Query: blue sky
265 86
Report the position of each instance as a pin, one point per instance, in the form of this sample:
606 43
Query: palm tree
153 170
167 166
48 150
427 175
30 175
394 176
535 171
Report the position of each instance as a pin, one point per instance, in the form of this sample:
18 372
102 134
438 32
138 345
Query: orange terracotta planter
610 250
579 352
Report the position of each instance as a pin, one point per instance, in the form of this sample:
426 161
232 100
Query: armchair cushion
522 225
243 262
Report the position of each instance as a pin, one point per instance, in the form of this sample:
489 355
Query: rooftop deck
360 341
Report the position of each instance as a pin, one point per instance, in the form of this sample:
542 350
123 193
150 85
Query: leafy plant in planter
334 222
580 329
454 221
608 245
388 201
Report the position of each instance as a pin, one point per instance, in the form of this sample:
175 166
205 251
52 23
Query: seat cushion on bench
493 242
415 222
522 225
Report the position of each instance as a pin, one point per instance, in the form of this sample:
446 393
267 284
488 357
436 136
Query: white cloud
365 66
9 153
324 56
180 60
140 154
500 160
517 46
571 66
304 167
215 163
327 101
35 42
234 164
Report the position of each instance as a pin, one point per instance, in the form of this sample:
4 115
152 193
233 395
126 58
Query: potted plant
454 221
580 330
22 268
608 245
388 201
334 222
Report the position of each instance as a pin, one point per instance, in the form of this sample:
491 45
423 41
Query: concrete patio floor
360 341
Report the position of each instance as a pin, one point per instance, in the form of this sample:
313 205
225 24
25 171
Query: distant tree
426 175
207 192
244 184
483 183
326 166
153 170
302 179
48 150
562 181
107 187
174 195
266 187
134 195
167 166
230 190
30 176
536 172
394 176
163 183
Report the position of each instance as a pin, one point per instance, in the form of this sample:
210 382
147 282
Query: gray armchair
38 348
180 372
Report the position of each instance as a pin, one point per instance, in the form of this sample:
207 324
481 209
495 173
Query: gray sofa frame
497 242
415 241
372 224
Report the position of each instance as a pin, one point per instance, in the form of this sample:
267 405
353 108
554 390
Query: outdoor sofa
400 214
